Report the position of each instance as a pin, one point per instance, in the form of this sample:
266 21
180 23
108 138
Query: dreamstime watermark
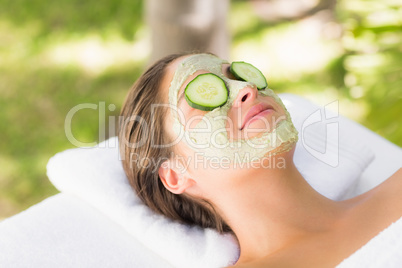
327 134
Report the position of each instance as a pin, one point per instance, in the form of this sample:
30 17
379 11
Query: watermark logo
327 123
101 107
200 161
328 134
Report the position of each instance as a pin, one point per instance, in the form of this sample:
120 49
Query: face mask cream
209 136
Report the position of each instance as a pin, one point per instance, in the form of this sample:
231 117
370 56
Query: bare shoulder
384 202
391 187
372 212
397 176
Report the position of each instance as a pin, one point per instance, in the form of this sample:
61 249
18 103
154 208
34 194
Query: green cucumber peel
247 72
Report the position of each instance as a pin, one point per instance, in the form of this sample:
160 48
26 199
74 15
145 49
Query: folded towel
96 176
384 250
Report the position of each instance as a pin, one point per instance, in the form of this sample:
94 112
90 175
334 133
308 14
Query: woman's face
237 125
250 115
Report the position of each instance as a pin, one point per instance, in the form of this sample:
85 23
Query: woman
211 166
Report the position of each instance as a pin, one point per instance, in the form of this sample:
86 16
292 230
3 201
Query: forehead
191 64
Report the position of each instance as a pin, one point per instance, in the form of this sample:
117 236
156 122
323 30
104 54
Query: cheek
189 116
168 130
169 125
280 109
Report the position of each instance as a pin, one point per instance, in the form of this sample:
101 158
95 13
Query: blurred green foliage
366 72
42 75
36 94
76 17
373 62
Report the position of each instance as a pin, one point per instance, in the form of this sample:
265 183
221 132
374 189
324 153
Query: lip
255 111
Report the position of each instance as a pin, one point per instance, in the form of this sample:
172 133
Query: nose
247 94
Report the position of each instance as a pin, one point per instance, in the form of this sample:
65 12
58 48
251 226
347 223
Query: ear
173 180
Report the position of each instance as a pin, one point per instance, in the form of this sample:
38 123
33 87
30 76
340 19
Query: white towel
96 176
384 250
64 232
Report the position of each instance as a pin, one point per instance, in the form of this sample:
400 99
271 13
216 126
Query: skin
277 217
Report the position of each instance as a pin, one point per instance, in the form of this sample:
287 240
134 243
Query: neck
275 207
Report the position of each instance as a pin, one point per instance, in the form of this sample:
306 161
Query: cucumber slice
247 72
206 92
